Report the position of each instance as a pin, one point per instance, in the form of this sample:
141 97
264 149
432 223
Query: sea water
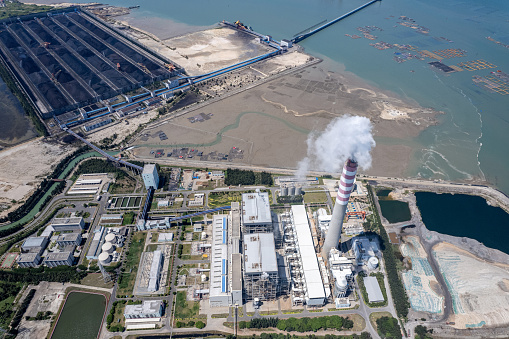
470 141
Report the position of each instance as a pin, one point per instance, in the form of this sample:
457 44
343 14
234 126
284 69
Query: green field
318 197
14 9
186 309
130 268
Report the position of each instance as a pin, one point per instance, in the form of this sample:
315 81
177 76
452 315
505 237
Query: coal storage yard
69 60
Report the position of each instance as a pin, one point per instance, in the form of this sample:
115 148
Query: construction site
68 59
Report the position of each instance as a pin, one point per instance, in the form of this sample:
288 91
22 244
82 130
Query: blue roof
225 235
223 267
223 284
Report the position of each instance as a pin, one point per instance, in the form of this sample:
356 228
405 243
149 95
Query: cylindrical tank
203 235
203 278
110 237
104 258
298 190
373 263
341 285
108 247
291 190
284 191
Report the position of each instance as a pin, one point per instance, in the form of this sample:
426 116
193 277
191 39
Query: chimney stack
333 236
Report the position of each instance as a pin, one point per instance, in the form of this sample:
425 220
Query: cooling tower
338 215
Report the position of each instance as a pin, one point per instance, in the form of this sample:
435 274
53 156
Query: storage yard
479 290
420 282
69 60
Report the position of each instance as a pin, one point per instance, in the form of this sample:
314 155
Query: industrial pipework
333 236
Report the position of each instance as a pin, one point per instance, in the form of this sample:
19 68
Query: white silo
284 191
104 258
203 278
372 263
108 247
110 237
203 235
340 287
291 190
298 190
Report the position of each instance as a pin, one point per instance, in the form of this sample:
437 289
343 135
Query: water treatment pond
81 316
465 216
395 211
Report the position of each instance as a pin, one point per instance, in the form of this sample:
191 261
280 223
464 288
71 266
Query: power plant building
146 310
59 259
225 265
256 216
66 239
261 278
32 259
150 176
341 273
34 244
364 249
373 288
313 285
68 224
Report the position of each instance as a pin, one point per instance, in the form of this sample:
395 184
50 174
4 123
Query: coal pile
68 60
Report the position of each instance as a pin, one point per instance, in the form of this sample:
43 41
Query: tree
200 324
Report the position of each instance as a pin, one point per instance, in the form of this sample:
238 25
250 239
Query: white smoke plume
345 137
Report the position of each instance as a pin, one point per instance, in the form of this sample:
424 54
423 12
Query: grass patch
128 218
359 323
186 309
127 276
315 311
219 315
373 317
96 280
291 311
217 199
315 197
269 312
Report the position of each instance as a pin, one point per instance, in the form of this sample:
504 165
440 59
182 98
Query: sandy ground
24 166
121 128
480 289
271 122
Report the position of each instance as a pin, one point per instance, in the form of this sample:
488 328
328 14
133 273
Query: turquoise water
81 316
465 216
470 140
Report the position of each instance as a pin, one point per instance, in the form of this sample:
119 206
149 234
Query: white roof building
315 294
256 209
259 253
373 289
146 310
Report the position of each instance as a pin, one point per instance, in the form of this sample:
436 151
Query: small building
111 219
150 176
59 259
146 310
97 123
67 224
286 43
165 237
155 271
214 175
198 227
163 203
29 259
66 239
34 245
95 249
373 288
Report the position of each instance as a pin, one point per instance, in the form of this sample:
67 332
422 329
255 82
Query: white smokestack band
333 236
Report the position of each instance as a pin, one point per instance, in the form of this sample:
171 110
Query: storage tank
291 190
340 287
298 190
284 191
104 258
373 263
203 235
108 247
203 278
110 237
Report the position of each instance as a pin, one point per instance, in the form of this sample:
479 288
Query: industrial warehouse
67 60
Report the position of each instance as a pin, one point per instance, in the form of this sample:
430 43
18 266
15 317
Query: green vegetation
128 218
397 289
217 199
317 197
380 278
20 312
235 177
116 317
127 277
363 335
388 327
15 9
300 324
8 292
40 316
186 309
383 192
36 275
422 332
98 166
